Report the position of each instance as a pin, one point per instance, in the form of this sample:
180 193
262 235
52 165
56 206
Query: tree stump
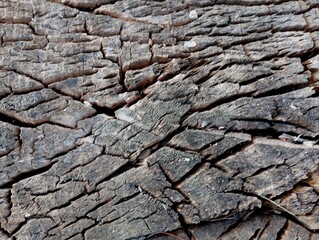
137 119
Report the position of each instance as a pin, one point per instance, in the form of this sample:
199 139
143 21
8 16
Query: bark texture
137 119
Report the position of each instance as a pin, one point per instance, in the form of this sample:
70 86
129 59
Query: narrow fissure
26 175
105 110
15 122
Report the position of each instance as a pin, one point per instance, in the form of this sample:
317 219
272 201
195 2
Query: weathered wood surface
168 119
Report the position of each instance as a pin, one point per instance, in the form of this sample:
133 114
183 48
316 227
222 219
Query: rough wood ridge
137 119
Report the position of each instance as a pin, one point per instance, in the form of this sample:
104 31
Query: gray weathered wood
137 119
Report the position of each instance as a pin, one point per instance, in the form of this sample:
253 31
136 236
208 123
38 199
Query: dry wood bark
137 119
